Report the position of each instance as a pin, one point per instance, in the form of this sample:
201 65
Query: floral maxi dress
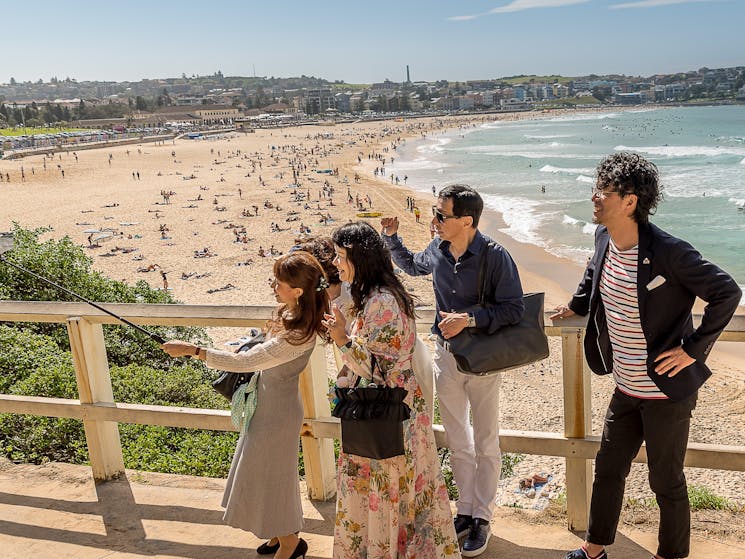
397 507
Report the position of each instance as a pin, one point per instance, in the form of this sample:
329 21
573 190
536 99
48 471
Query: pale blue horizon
334 40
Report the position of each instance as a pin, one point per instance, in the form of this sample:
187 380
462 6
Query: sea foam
435 146
547 136
683 151
524 151
567 170
587 228
583 116
521 217
419 164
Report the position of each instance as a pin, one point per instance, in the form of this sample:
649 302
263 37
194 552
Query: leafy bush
35 360
25 353
65 263
177 451
185 384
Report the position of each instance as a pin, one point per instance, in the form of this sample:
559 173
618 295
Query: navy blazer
664 310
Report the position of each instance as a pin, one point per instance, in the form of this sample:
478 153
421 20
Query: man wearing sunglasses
639 290
454 258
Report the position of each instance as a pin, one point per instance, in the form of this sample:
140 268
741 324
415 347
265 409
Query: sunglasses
441 217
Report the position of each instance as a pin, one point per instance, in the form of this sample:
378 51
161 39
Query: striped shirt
619 295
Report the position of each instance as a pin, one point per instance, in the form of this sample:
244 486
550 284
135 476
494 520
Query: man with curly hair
638 289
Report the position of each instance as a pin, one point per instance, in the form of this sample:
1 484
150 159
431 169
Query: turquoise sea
700 152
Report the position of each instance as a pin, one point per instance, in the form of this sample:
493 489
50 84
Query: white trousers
475 455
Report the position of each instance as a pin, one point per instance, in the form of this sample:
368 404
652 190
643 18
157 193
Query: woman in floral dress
397 507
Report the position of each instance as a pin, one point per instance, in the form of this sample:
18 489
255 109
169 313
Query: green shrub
35 360
25 354
701 498
65 263
177 451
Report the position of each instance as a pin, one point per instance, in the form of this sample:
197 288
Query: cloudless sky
364 42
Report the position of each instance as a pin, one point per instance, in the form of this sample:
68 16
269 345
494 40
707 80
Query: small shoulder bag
227 383
372 418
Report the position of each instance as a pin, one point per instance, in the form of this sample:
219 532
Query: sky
365 42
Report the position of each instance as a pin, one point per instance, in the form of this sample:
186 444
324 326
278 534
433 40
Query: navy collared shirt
456 283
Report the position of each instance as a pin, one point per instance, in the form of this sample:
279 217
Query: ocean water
700 152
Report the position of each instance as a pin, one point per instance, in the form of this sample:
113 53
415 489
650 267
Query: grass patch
28 131
702 498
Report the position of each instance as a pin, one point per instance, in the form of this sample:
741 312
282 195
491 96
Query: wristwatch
346 347
471 321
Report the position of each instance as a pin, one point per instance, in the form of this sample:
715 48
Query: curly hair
373 268
630 173
301 269
323 249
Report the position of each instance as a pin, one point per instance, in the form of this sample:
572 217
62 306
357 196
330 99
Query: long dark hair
373 268
301 269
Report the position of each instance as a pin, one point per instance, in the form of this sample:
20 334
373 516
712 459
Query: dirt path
55 511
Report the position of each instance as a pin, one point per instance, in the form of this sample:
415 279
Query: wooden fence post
318 454
577 424
94 386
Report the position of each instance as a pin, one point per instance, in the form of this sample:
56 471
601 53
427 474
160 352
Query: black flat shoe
267 549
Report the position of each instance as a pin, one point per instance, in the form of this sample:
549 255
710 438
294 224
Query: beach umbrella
6 245
91 231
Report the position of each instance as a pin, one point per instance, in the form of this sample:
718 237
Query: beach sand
214 180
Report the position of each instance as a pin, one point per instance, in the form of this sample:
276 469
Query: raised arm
414 264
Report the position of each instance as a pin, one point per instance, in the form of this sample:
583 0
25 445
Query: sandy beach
203 211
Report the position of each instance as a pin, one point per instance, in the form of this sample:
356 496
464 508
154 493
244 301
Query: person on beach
396 507
263 494
639 289
454 259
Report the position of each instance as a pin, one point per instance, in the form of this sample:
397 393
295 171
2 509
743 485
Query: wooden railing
101 414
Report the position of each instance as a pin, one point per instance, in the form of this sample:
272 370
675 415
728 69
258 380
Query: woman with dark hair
396 507
262 493
323 249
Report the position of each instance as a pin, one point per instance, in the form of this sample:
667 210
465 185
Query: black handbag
372 419
480 353
227 383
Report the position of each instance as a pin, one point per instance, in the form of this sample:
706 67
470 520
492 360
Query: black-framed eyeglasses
441 217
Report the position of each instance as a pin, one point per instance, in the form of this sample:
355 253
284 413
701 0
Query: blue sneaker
462 524
478 537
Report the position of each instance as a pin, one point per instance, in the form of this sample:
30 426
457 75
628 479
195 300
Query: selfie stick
6 244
